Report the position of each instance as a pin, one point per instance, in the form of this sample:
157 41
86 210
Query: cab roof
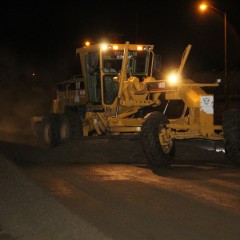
114 46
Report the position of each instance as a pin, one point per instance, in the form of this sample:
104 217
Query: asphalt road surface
103 189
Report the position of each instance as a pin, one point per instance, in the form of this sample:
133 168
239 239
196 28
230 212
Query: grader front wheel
156 140
231 130
49 131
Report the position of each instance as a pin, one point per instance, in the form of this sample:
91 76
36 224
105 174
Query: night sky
42 35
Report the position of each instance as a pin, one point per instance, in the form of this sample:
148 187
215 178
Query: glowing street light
203 7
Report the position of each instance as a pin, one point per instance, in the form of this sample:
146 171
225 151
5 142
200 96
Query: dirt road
103 189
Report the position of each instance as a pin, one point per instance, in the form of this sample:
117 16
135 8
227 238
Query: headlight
174 78
104 47
87 43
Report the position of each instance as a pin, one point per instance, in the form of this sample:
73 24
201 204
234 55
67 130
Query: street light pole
225 62
203 7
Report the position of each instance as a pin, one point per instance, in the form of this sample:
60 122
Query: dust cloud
27 89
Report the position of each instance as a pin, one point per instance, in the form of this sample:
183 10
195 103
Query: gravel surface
28 213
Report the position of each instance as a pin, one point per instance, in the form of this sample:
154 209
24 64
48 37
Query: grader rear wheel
157 143
49 131
70 126
64 129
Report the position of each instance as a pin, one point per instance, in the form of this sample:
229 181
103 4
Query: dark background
41 37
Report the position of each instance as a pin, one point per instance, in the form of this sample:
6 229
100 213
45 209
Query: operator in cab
108 68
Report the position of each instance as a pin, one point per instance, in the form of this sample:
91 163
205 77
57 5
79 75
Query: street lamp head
203 7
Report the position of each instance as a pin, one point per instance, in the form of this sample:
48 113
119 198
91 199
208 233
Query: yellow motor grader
118 95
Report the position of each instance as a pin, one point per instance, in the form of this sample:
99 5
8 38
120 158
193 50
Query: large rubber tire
231 131
70 127
157 154
64 129
49 136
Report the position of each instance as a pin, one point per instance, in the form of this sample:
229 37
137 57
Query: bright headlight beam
173 78
87 43
104 47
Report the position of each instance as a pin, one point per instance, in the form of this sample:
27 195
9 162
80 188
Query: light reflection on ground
218 190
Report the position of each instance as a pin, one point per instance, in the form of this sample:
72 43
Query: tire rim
165 140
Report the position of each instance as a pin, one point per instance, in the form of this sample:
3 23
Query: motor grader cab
102 64
106 68
115 89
